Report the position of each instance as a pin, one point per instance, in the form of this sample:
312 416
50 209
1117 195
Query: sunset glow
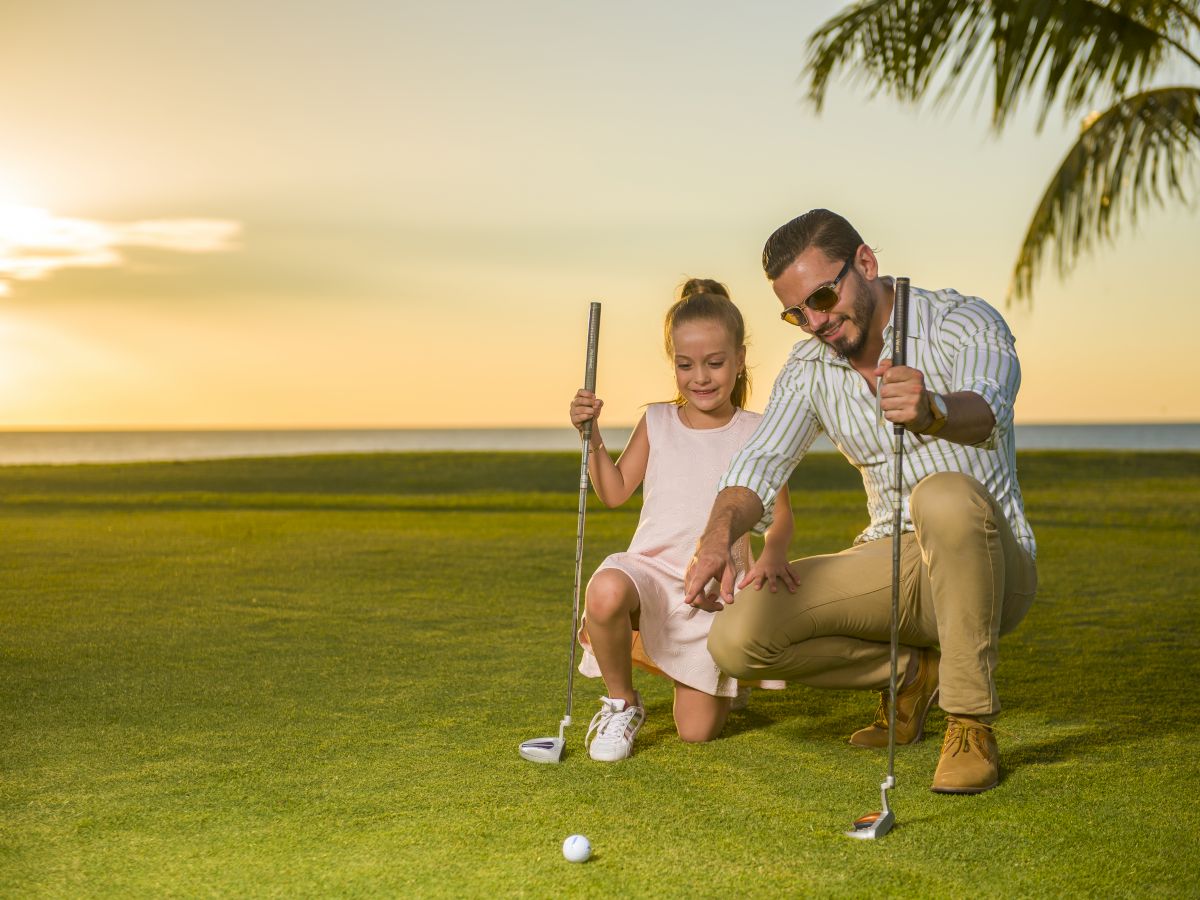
212 230
34 243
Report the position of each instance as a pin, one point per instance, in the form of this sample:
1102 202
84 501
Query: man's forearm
735 511
969 421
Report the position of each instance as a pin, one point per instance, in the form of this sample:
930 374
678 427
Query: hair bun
702 286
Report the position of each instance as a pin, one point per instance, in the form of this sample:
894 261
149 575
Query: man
967 567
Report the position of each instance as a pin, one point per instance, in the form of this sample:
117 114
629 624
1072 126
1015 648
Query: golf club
550 749
877 824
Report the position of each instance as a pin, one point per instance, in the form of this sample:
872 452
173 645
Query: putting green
310 676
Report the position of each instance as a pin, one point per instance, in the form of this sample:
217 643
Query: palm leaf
1140 151
1070 51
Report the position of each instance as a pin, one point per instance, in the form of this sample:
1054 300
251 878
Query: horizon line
117 429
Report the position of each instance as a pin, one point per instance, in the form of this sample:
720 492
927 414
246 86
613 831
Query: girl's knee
699 717
691 734
609 595
700 726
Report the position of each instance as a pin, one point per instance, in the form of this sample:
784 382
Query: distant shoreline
455 429
115 446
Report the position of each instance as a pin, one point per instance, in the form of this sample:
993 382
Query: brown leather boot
912 706
970 762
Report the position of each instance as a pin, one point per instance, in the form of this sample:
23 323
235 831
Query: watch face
940 403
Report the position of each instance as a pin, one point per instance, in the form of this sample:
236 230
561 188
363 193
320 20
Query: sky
390 214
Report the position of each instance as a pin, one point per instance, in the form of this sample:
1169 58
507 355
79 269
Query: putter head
872 825
543 750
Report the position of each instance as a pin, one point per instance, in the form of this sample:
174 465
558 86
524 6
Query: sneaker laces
618 722
609 720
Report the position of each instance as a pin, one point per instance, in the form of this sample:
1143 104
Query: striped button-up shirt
959 344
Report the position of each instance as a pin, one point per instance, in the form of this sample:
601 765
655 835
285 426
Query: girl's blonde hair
705 299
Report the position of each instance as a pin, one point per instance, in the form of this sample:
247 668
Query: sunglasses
823 299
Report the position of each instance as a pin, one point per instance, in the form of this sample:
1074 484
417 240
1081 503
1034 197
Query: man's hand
902 397
710 562
736 509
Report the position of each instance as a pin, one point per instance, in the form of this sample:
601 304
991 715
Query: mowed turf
310 676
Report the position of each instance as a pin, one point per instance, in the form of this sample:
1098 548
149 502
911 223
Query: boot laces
881 714
965 737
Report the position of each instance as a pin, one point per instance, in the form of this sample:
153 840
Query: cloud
35 244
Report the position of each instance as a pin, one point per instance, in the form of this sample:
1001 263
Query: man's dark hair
820 228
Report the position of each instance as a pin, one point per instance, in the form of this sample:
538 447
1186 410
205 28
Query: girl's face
707 363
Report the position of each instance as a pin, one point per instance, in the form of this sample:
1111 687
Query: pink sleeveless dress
677 496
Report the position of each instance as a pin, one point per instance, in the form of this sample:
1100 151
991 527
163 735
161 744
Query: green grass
309 677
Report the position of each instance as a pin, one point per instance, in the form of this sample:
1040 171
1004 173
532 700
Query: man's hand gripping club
733 514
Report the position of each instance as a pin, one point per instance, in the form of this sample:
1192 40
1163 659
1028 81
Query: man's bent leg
980 579
834 631
981 582
840 663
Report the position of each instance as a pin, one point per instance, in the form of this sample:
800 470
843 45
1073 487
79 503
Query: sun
22 228
19 223
18 217
21 220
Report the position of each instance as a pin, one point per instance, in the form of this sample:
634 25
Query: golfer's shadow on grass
746 720
1016 753
819 715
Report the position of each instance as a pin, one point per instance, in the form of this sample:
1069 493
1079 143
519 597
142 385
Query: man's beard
861 313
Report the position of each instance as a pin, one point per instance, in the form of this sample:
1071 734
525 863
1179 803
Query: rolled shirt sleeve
960 343
985 361
787 430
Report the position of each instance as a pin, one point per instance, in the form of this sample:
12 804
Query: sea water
65 447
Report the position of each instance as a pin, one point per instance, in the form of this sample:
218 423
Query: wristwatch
937 409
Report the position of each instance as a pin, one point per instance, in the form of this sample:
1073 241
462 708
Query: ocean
69 447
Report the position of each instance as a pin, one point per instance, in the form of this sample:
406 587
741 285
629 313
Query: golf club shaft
899 358
589 383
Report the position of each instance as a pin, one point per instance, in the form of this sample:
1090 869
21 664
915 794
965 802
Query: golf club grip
900 324
589 371
900 331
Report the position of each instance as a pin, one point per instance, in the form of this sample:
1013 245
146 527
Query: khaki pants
964 581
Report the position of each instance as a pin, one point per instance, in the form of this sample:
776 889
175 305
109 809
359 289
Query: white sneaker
773 685
615 726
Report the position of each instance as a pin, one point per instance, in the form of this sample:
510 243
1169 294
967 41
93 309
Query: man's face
844 328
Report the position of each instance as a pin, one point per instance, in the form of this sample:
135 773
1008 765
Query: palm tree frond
1140 151
1181 14
1068 51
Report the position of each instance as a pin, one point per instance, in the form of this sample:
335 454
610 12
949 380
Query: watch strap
939 416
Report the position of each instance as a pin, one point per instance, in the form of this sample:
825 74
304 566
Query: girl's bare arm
614 483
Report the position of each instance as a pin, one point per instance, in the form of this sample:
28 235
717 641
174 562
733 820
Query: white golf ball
577 848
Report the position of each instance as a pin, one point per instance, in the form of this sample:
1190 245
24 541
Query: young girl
634 608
